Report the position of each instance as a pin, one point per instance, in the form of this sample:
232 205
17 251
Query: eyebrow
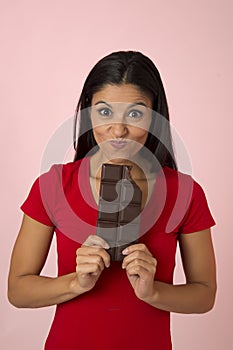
130 106
99 102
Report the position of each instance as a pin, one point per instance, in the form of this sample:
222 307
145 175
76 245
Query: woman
104 304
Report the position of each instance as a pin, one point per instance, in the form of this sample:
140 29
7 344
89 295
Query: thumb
96 241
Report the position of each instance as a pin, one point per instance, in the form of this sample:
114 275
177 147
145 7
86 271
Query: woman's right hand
91 259
28 288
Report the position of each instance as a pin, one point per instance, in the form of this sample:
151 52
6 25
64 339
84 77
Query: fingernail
125 251
123 266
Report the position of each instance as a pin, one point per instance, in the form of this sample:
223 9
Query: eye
105 112
135 114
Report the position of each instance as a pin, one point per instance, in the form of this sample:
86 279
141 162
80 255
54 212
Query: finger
90 259
137 266
138 270
136 247
139 257
85 269
94 240
87 252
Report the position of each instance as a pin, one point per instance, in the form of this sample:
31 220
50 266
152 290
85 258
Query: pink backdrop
47 49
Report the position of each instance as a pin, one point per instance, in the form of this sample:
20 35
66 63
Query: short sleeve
198 216
36 206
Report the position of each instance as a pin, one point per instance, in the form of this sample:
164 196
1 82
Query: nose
119 130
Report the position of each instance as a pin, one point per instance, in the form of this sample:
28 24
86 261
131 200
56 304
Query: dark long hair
128 67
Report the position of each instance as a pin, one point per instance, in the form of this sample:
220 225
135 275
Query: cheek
139 134
98 132
141 130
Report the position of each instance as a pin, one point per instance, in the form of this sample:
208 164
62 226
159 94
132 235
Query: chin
117 157
119 161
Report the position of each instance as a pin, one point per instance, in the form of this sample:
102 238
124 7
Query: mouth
118 144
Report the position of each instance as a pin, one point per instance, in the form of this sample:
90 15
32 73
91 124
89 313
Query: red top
110 316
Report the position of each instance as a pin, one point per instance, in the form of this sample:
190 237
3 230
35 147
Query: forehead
126 93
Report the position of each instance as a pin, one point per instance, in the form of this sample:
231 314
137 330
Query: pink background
47 49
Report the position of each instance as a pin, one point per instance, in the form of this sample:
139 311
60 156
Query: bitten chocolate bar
119 209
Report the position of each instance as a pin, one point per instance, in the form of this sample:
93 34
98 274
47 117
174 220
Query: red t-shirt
110 316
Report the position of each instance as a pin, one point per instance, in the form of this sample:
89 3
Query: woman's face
121 117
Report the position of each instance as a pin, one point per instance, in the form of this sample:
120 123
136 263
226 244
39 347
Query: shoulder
64 172
175 177
177 181
172 174
183 189
61 177
191 208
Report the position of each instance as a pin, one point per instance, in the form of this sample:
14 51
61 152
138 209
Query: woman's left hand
140 266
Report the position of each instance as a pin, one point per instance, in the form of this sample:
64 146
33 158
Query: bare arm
197 295
26 288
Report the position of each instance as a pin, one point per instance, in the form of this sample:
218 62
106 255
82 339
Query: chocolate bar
119 209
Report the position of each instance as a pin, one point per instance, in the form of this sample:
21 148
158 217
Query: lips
118 144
